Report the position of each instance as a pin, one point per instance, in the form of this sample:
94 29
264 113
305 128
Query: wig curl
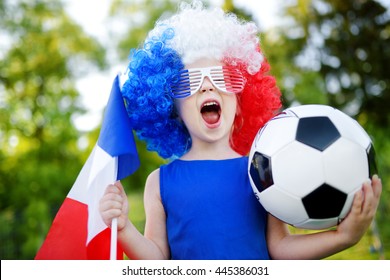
194 33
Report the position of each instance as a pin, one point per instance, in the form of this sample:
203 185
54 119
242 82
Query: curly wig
193 33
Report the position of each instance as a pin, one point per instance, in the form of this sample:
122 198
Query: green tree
140 17
42 53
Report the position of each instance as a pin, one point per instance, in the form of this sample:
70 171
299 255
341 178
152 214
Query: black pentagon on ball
324 202
260 171
372 167
317 132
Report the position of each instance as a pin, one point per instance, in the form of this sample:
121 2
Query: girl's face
208 114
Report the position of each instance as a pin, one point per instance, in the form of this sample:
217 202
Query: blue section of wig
148 99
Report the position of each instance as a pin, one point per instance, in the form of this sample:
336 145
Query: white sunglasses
227 79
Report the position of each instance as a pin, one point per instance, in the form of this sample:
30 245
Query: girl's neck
210 152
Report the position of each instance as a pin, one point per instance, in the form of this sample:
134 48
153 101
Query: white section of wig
211 33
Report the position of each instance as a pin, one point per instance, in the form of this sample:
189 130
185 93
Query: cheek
185 109
231 107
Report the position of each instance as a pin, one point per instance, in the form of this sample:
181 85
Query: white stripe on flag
99 171
104 173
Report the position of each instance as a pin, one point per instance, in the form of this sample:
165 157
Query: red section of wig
258 102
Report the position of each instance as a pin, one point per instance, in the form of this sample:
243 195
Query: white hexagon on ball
297 168
345 165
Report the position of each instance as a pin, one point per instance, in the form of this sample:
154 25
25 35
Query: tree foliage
42 54
140 17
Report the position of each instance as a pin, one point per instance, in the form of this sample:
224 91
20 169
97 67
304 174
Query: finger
113 196
110 204
109 215
368 197
357 204
119 184
120 188
376 186
112 189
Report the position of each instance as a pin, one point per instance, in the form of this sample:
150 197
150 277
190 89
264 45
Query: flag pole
114 224
114 235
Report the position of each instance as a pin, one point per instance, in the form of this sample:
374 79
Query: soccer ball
306 164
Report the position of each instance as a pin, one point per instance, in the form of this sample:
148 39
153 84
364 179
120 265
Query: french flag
78 231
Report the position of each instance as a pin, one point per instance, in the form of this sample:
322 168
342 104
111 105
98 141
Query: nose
207 85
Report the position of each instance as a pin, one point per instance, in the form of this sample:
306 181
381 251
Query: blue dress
211 211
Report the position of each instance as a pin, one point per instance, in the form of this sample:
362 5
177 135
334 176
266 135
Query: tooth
210 103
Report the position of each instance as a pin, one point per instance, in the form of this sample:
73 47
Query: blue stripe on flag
116 134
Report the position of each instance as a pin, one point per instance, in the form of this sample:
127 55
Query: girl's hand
114 204
363 210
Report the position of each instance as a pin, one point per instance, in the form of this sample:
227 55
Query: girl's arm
282 245
153 244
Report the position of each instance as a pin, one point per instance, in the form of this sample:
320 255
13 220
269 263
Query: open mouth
211 112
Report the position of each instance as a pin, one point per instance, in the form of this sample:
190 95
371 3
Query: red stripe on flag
99 247
68 234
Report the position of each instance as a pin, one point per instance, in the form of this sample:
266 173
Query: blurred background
58 60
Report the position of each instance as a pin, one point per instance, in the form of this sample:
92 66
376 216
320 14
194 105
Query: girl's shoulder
152 185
